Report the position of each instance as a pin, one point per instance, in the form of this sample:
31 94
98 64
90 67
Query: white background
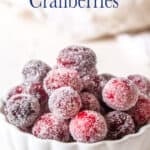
23 38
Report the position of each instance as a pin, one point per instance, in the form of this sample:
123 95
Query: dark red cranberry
16 90
119 124
35 70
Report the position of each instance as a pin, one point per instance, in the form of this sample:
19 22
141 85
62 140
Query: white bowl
13 139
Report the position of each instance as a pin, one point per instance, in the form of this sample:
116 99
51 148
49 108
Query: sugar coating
120 94
141 111
119 124
89 102
88 126
78 58
37 90
62 77
21 110
142 83
104 78
91 83
35 70
50 127
19 89
65 103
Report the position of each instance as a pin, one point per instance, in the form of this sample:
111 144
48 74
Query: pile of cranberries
72 102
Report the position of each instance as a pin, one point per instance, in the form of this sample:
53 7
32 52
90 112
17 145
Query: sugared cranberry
91 83
65 103
88 126
89 102
103 79
141 111
78 58
50 127
142 83
19 89
62 77
21 110
37 90
35 70
120 94
119 124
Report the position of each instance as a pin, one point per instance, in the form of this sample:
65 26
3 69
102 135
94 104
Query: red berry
119 124
141 111
103 79
142 83
91 83
62 77
120 94
78 58
89 102
21 110
35 70
20 89
50 127
88 126
65 103
37 90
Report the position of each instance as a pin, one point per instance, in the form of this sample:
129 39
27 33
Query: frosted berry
62 77
103 79
19 89
91 84
21 110
35 70
50 127
89 102
65 103
120 94
78 58
141 111
119 124
142 83
37 90
88 126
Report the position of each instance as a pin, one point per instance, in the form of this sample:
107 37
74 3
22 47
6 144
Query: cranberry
119 124
103 79
19 89
21 110
142 83
50 127
91 83
120 94
78 58
88 126
89 102
65 103
35 70
141 111
62 77
37 90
